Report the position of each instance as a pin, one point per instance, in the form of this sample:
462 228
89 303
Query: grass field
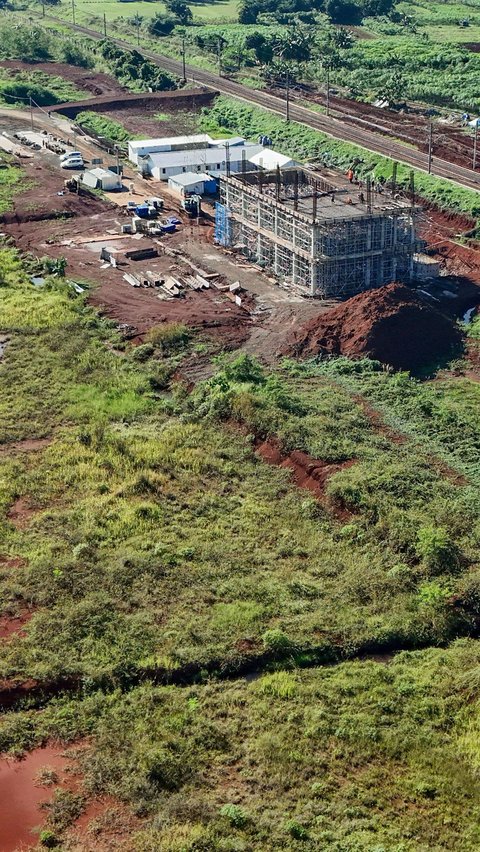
214 12
146 544
247 667
135 486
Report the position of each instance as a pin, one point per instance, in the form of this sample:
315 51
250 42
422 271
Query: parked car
69 154
73 163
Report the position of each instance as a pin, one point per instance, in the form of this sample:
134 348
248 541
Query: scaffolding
315 234
222 234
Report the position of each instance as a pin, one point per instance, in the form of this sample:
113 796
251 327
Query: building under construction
326 237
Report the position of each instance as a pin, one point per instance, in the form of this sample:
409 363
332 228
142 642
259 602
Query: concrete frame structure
326 239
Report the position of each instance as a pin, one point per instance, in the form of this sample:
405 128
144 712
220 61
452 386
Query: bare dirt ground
84 78
308 473
138 121
77 228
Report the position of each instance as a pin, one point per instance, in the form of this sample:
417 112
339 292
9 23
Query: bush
143 352
161 25
170 336
277 641
48 839
73 54
295 830
235 815
436 550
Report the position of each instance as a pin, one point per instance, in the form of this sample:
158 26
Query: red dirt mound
391 324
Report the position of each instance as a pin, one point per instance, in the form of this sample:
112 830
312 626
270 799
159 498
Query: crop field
86 9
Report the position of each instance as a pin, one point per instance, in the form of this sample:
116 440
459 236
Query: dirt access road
335 127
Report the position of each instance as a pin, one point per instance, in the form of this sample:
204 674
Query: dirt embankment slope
391 324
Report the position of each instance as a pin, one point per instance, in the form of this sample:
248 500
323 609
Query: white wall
192 187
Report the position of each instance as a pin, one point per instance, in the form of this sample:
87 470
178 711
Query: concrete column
313 277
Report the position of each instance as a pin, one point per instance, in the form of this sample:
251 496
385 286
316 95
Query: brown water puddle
21 796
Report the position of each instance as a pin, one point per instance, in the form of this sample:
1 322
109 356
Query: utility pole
184 75
219 57
118 160
138 30
73 11
475 135
430 147
394 177
328 91
287 104
104 25
43 10
31 112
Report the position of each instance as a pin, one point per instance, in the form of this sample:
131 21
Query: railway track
334 127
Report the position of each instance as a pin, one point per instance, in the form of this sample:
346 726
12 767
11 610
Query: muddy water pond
21 796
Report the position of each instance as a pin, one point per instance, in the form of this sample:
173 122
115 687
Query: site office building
325 238
166 158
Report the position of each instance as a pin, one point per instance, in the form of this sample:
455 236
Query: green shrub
48 839
143 352
295 830
170 336
236 815
436 549
277 641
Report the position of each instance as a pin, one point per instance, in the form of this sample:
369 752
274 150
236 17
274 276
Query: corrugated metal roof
208 157
186 178
137 144
233 141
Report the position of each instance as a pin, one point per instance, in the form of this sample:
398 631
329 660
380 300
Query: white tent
475 122
102 179
269 160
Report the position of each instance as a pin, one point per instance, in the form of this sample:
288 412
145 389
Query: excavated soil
308 473
12 562
20 513
27 445
391 324
176 120
27 785
141 309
